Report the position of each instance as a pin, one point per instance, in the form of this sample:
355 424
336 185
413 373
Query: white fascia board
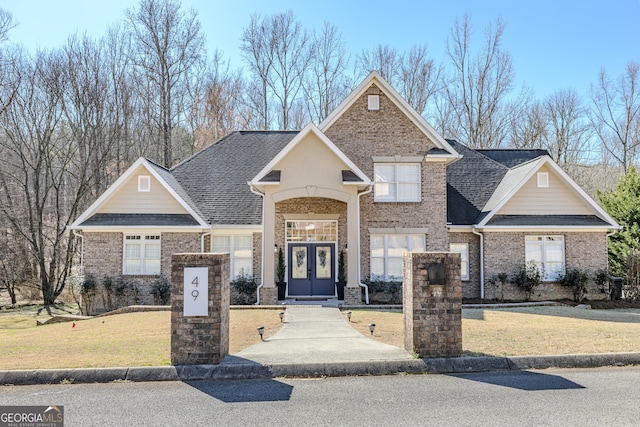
310 128
410 112
460 228
233 228
125 176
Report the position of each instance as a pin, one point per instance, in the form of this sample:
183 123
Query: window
141 254
387 251
144 183
547 252
373 102
397 182
240 249
463 250
543 179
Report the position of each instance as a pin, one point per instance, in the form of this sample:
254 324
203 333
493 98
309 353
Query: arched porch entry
312 232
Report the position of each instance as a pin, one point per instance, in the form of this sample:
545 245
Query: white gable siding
556 199
127 199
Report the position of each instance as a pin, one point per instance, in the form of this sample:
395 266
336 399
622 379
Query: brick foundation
432 311
268 296
352 295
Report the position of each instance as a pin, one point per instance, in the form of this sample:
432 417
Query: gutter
254 191
477 233
362 285
202 236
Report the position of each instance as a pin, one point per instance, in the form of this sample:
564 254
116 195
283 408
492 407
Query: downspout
202 236
477 233
366 288
254 191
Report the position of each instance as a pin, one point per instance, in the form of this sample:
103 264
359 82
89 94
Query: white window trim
396 183
543 179
232 247
142 242
144 183
544 244
385 256
464 258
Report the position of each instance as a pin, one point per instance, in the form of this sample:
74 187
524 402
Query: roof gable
375 78
311 131
517 177
125 187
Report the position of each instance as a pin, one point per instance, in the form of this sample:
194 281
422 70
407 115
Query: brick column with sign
199 308
432 304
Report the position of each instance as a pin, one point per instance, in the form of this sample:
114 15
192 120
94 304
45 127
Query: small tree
342 274
575 279
528 278
498 281
280 268
601 279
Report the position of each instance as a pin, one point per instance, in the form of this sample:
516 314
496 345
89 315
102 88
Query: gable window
387 251
547 252
373 102
543 179
141 254
463 250
144 183
397 182
240 249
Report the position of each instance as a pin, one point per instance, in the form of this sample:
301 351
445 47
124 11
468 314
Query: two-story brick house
373 180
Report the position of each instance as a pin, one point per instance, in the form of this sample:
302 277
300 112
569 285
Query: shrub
161 291
601 279
498 281
88 289
528 278
244 290
575 279
384 292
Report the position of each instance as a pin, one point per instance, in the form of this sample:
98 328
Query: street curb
236 371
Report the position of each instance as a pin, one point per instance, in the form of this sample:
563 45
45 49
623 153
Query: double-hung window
240 249
463 250
141 254
397 182
547 252
387 251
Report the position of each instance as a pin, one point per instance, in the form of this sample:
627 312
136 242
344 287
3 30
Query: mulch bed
603 305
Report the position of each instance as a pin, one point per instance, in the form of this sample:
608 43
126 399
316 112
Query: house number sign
196 291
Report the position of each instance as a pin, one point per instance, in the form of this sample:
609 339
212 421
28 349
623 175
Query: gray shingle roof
547 220
216 177
110 219
477 182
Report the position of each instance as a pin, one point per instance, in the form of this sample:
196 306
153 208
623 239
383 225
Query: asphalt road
580 397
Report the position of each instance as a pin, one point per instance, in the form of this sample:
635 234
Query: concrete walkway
315 334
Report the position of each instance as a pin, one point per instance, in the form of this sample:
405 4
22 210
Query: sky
561 44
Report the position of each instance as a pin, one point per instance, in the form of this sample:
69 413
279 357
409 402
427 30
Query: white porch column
353 228
268 236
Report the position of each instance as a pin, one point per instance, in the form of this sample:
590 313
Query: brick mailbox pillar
199 308
432 304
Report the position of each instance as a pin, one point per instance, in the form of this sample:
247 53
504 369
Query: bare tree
383 59
568 129
258 50
8 82
615 114
326 85
219 109
528 129
169 49
479 84
293 51
420 78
